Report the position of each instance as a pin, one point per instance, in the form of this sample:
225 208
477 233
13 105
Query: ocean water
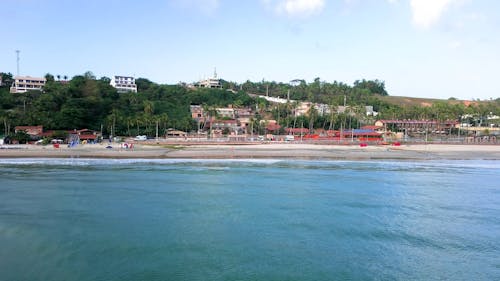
90 219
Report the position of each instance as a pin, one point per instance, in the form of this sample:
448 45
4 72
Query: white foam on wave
96 161
402 164
375 165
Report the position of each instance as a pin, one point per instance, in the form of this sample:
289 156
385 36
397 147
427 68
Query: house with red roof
33 131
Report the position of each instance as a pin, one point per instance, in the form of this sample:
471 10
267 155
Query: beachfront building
414 127
124 84
22 84
30 130
362 135
226 126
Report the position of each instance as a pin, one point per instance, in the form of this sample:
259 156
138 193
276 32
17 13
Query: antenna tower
17 59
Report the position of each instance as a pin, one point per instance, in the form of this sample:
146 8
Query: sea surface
91 219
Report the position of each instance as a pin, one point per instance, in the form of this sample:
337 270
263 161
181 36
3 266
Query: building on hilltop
22 84
123 84
213 83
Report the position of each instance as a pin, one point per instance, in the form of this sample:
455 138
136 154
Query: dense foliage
87 102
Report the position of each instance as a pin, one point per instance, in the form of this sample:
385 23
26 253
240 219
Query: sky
420 48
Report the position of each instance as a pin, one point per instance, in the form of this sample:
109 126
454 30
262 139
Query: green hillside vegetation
87 102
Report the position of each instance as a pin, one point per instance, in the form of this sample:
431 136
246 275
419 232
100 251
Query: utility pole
156 130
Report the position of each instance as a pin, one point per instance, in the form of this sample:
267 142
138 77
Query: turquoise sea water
83 219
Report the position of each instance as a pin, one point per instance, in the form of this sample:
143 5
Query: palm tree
333 108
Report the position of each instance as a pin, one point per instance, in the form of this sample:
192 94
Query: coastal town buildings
77 136
411 127
123 84
197 113
22 84
226 112
228 119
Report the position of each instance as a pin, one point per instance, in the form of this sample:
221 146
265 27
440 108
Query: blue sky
420 48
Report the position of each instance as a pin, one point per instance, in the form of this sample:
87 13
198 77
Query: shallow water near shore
105 219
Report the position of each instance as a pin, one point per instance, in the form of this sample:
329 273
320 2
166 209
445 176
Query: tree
373 86
7 79
21 137
49 77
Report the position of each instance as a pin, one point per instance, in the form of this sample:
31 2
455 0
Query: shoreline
261 151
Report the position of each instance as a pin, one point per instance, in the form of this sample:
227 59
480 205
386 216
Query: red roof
371 127
87 137
273 127
30 130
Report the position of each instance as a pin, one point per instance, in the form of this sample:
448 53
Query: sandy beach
270 150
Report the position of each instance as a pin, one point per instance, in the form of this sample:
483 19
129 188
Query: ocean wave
402 165
106 162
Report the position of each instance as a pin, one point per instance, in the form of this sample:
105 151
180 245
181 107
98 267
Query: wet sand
270 151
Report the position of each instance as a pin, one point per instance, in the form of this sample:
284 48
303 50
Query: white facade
22 84
226 112
210 83
213 82
124 84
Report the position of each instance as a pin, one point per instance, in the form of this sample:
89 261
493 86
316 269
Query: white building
226 112
370 111
124 84
213 82
22 84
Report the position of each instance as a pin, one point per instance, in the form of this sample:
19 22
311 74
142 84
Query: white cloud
296 8
428 12
455 44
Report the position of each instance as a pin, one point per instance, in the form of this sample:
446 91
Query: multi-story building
226 112
124 84
212 82
23 84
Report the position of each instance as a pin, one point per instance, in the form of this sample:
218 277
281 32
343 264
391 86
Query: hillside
412 101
